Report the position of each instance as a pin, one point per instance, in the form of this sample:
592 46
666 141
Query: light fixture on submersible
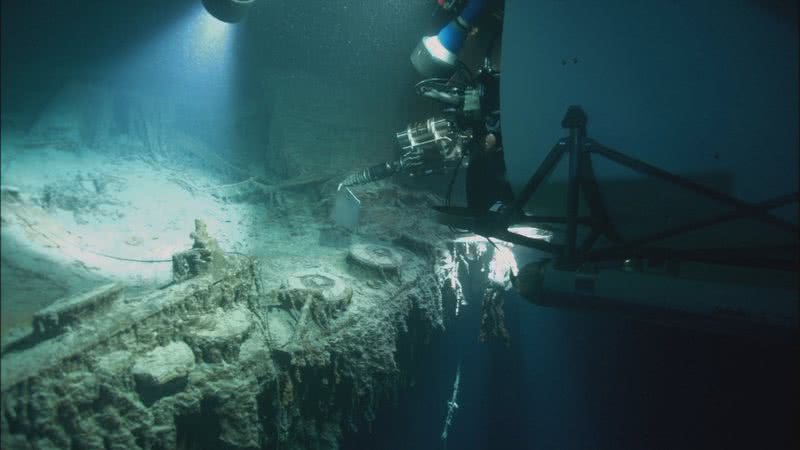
436 56
230 11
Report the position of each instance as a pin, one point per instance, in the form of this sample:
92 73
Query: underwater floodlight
230 11
436 56
432 59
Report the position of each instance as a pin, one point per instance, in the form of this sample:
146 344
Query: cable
450 192
152 260
491 43
442 81
453 180
439 84
463 67
130 259
105 255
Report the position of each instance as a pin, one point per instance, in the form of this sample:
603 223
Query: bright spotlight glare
503 266
532 232
503 263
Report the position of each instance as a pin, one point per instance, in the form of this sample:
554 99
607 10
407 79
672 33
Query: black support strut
581 178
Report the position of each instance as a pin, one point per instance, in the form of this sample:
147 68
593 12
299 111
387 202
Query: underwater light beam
197 62
212 43
196 52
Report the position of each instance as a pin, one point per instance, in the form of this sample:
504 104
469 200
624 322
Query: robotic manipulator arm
440 143
427 147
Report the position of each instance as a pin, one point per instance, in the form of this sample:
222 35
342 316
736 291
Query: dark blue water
579 380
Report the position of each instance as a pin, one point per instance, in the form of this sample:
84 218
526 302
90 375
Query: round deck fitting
332 288
378 258
308 299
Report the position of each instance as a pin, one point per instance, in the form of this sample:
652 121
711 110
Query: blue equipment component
453 35
435 56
